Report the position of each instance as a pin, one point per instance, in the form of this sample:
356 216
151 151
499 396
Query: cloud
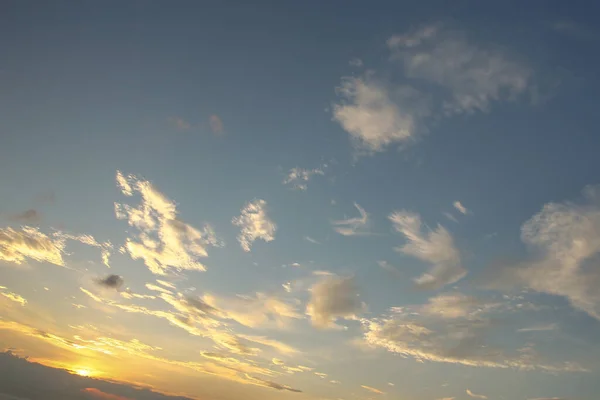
163 242
462 209
565 242
476 396
99 394
332 298
17 246
180 123
353 226
216 124
453 305
157 288
472 76
311 240
12 296
30 216
435 247
463 335
356 62
372 389
299 177
166 284
254 224
549 398
539 328
270 384
368 113
450 216
89 240
111 282
260 310
444 73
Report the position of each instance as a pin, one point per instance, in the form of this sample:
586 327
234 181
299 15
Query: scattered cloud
111 282
539 328
370 115
473 76
450 216
455 332
356 62
463 77
331 298
216 124
164 242
372 389
298 177
476 396
462 209
549 398
12 296
357 226
565 239
180 123
254 224
390 268
157 288
311 240
30 216
435 247
17 246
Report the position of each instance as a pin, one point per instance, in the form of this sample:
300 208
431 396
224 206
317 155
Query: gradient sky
302 200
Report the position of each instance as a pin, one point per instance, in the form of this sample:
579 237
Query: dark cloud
24 380
111 281
30 216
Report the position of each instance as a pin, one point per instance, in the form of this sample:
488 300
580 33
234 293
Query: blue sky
398 196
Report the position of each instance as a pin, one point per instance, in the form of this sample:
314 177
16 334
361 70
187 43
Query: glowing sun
83 372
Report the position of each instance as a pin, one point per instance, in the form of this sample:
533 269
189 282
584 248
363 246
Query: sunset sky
304 200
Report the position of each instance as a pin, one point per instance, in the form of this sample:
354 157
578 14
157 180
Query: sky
300 200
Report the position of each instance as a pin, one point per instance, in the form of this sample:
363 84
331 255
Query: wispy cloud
298 177
462 209
164 242
467 77
180 123
216 124
255 224
12 296
17 246
435 247
357 226
539 328
111 282
564 236
476 396
311 240
372 389
30 216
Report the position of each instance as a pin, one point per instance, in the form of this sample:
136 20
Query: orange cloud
99 394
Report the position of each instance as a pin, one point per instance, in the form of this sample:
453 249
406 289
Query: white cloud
462 209
473 76
371 117
254 224
356 62
372 389
163 242
467 340
311 240
565 238
453 74
299 177
435 247
331 298
216 124
539 328
17 246
353 226
453 305
476 396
